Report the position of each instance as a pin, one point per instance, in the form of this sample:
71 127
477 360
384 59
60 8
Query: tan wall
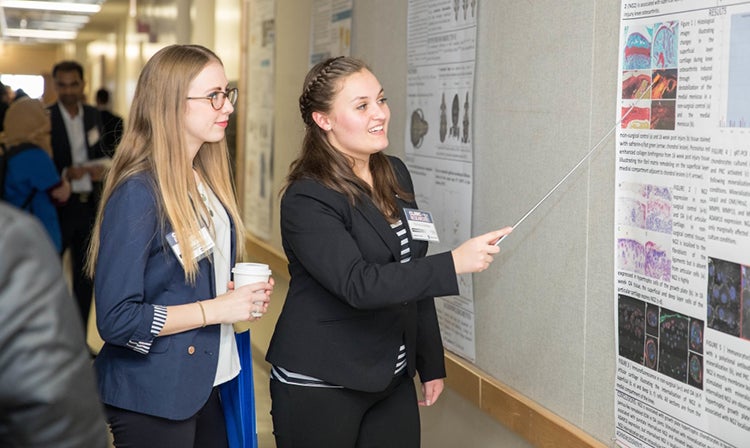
21 59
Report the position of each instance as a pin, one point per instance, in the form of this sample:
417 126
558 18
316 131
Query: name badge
92 136
201 247
421 225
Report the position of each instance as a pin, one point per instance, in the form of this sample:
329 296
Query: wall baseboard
525 417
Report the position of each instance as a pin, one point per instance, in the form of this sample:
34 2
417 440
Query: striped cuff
160 318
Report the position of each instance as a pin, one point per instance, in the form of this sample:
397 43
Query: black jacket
351 303
61 152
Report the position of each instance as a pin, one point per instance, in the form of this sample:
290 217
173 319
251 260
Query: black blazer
351 303
61 152
60 143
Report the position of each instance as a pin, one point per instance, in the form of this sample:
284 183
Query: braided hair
320 161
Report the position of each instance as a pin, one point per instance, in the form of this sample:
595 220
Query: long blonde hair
154 142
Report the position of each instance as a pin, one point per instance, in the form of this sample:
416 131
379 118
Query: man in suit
112 124
80 157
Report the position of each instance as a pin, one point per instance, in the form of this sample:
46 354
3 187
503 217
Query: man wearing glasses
80 157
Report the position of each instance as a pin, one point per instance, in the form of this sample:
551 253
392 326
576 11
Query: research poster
259 103
441 54
330 29
682 225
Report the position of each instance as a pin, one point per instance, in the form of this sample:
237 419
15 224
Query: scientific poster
330 29
441 48
259 103
682 225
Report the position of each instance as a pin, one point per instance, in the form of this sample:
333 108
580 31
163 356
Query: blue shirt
33 170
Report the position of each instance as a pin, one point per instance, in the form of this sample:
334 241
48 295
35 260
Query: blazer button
191 350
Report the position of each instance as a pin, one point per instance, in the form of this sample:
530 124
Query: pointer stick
497 243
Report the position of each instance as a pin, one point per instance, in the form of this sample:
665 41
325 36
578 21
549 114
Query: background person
359 319
31 181
164 308
47 389
112 124
80 158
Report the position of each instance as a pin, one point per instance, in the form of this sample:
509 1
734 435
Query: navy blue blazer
135 270
351 303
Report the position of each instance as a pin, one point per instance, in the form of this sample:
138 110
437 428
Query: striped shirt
285 376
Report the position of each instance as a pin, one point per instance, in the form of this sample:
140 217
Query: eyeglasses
217 98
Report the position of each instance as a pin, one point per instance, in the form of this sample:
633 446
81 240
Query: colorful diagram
649 78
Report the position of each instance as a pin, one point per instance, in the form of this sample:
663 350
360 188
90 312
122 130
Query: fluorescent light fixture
40 34
52 6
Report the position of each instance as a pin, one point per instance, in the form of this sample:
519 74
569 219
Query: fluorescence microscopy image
673 344
651 353
745 331
723 310
663 340
695 370
631 327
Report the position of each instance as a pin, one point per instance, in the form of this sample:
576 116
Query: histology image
723 310
657 262
644 214
650 259
664 84
636 84
650 64
631 255
664 46
644 206
745 331
635 115
663 115
637 51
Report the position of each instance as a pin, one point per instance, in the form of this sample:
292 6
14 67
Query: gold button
191 350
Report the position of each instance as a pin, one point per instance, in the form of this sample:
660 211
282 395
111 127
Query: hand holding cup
248 273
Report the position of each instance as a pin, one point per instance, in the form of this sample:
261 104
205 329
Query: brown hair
321 161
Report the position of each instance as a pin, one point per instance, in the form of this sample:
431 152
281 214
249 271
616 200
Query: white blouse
229 359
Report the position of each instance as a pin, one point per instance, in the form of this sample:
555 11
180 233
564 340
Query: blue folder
238 399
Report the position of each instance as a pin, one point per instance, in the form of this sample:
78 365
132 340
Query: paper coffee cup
247 273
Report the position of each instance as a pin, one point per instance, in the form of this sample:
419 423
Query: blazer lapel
367 208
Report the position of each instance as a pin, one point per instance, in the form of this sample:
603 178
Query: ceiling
59 21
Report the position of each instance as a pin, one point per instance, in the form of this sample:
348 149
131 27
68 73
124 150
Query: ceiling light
40 34
52 6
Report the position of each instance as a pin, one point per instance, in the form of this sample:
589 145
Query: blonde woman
167 234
